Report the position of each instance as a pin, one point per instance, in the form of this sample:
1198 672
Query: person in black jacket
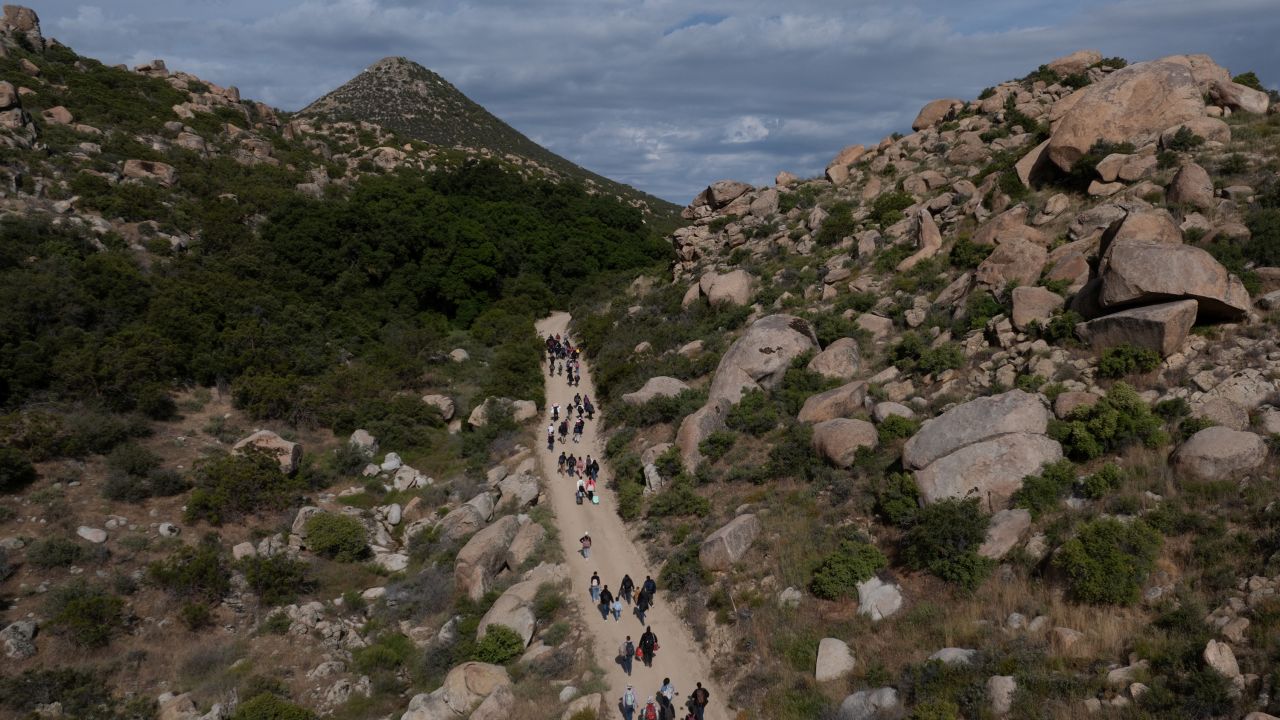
650 587
642 605
648 645
606 599
625 588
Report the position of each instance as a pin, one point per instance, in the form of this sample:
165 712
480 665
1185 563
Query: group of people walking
661 705
562 358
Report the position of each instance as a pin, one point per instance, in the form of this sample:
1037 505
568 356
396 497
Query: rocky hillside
981 423
402 96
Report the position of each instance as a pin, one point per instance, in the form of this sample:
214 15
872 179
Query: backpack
629 699
650 712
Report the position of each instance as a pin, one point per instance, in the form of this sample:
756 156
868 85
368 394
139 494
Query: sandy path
613 554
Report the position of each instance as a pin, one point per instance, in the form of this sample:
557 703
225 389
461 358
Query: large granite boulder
991 470
980 419
1145 272
483 556
879 704
840 440
287 453
1216 453
726 546
1034 304
1161 328
1191 185
835 403
1014 261
1130 105
655 387
935 112
731 288
835 660
841 360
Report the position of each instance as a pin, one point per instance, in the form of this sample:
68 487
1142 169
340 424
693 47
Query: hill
414 102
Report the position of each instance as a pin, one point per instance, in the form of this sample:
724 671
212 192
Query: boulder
1075 63
1216 453
1009 225
655 387
726 546
1013 261
878 599
445 404
483 556
1239 97
1161 328
162 173
761 356
698 426
526 542
835 403
1220 658
1133 104
1191 185
841 360
1034 164
731 288
522 411
928 240
980 419
879 326
363 441
1000 692
1247 388
512 611
287 453
723 192
1209 128
470 683
935 112
1067 402
18 640
97 536
1221 411
591 703
991 470
58 115
500 705
879 704
1144 224
840 440
467 518
849 155
459 355
766 204
887 409
1004 531
835 660
955 656
520 489
1031 303
1143 272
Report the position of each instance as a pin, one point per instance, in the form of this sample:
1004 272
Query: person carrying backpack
698 701
551 440
666 710
628 653
648 646
625 588
585 541
650 587
642 605
650 711
560 465
594 586
627 703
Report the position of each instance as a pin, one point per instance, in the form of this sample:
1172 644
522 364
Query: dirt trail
613 554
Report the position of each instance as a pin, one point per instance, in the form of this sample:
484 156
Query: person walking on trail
666 710
627 703
585 541
595 469
650 588
560 465
627 652
625 588
606 603
648 646
577 430
555 412
698 702
616 608
642 605
668 689
595 587
551 441
564 430
650 710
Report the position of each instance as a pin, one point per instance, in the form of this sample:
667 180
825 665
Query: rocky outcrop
835 403
18 640
1134 105
1162 328
835 660
483 556
522 411
1015 411
878 599
1014 261
935 112
841 360
726 546
163 173
1075 63
1143 272
1216 453
1033 304
465 687
731 288
287 453
840 440
1191 185
928 240
655 387
880 704
445 404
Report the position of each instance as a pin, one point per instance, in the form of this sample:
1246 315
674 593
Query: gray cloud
663 94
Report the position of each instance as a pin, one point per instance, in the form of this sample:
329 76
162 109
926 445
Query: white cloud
746 129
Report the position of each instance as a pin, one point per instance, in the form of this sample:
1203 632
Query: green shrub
896 427
839 573
277 623
898 499
753 414
1107 561
89 615
195 616
1263 246
1123 360
678 498
16 471
196 572
944 540
1183 140
1040 493
499 645
1061 327
967 255
838 225
338 537
268 706
1107 479
717 444
683 569
1085 168
669 463
1250 80
234 485
799 384
887 208
911 354
389 652
792 455
661 409
54 552
82 693
278 579
1118 419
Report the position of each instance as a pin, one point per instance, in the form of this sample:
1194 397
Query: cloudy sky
667 95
